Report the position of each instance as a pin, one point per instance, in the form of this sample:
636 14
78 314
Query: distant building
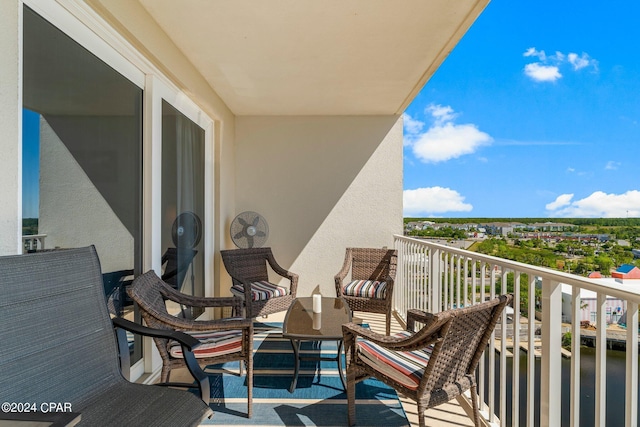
498 228
614 308
626 272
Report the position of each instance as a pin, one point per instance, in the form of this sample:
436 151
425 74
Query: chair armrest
293 277
169 293
424 338
184 339
355 331
340 276
203 325
414 316
187 342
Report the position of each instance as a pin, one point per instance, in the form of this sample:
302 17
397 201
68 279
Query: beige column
10 126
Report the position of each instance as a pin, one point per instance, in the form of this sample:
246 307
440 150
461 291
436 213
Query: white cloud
441 114
433 200
612 165
599 205
449 141
537 53
547 68
581 61
445 140
560 201
411 125
542 73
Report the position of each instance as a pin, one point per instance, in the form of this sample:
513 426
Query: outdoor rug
318 400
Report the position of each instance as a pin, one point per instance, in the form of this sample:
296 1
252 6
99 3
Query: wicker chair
221 340
431 366
370 288
248 269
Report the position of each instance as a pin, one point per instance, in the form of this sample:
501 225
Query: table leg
296 355
340 371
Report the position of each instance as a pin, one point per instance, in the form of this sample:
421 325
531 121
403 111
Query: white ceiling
315 57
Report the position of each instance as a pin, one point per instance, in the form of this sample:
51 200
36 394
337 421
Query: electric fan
187 230
249 230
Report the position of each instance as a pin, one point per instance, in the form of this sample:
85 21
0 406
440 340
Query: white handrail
435 277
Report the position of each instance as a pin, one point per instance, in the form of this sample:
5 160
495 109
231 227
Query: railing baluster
550 368
631 383
531 354
444 261
574 418
492 350
503 356
515 373
601 361
458 287
481 370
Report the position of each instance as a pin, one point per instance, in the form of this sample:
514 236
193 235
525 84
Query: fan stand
178 231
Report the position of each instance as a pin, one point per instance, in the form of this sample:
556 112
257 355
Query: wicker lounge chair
222 340
58 346
431 366
248 269
370 287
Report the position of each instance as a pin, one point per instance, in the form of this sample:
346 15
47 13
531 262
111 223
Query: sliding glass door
183 211
82 145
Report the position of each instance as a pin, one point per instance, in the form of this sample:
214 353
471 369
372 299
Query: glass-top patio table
302 324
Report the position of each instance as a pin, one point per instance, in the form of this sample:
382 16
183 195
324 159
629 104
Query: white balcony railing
435 277
33 242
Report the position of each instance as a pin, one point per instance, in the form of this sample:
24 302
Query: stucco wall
73 213
323 184
10 128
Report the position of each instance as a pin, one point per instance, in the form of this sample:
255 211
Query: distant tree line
594 222
29 226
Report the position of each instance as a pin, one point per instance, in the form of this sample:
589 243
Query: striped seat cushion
214 343
261 290
366 289
405 367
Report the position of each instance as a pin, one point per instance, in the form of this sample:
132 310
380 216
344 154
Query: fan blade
256 220
242 222
250 241
239 235
260 234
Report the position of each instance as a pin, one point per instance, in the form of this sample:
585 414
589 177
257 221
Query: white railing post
434 280
531 358
550 375
601 361
631 385
575 357
515 373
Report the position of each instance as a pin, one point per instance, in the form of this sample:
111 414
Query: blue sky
535 113
30 163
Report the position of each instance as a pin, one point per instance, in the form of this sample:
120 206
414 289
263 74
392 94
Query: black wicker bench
58 347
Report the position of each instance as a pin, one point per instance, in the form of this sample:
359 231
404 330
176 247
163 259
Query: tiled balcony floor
450 414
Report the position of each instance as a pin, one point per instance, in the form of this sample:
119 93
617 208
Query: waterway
615 385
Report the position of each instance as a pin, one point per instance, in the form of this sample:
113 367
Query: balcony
434 277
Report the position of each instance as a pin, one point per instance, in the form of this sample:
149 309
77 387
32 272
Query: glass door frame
158 91
78 21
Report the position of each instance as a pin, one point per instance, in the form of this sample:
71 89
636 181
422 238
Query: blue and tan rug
318 400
